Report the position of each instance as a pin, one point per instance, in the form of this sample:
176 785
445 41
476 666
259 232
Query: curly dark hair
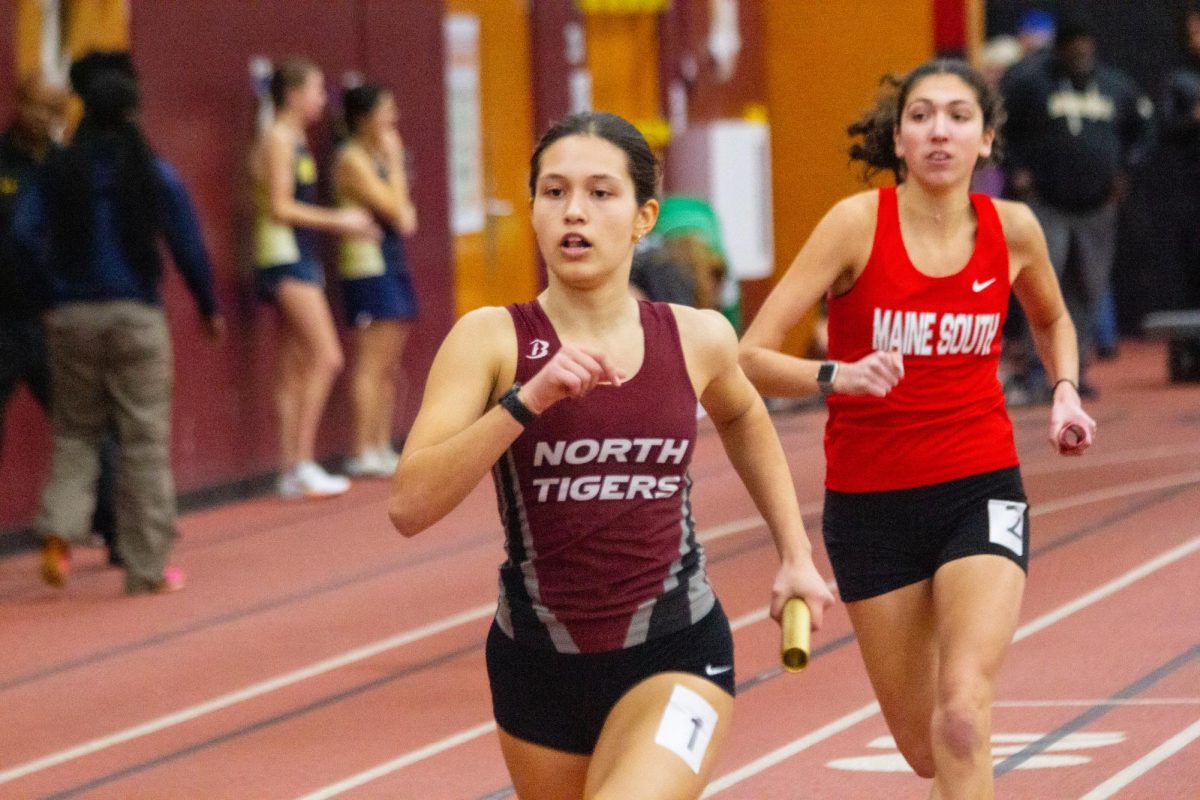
877 125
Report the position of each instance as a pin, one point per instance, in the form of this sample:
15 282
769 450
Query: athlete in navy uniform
610 659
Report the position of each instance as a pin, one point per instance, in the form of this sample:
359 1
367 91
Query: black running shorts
561 700
882 541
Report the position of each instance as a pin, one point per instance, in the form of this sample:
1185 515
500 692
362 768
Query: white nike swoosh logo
978 286
709 669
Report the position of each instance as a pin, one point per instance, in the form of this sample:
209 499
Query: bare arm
753 448
278 167
1037 289
456 438
357 179
832 257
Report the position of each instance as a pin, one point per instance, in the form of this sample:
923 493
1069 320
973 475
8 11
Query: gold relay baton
796 627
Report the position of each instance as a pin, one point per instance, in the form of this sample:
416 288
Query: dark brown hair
877 126
290 73
643 166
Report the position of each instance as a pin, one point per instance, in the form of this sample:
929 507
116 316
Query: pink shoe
173 580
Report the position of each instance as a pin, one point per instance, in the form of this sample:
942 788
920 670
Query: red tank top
594 498
946 418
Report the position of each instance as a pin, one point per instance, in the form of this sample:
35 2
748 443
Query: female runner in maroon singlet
925 519
609 660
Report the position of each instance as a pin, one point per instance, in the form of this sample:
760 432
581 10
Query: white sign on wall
463 124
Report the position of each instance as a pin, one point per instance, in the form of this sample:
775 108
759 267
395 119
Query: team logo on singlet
610 486
924 333
538 348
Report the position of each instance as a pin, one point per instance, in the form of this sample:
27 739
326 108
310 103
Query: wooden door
494 250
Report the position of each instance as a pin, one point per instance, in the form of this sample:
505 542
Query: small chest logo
979 286
538 348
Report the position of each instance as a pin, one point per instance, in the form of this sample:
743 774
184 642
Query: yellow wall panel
622 54
86 25
823 63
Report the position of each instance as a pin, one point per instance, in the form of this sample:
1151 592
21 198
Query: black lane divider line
1131 510
255 727
1095 712
398 565
756 680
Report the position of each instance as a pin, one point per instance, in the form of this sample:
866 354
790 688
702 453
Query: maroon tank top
594 498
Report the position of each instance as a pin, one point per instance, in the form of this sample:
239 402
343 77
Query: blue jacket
109 275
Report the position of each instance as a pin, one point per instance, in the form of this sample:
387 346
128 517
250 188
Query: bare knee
960 723
328 361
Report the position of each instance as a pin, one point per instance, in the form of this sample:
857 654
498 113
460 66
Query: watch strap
513 405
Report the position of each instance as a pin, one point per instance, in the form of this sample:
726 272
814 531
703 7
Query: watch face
825 373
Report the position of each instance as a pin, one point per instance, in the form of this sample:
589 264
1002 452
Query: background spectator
379 295
289 274
96 219
1180 110
1075 127
24 146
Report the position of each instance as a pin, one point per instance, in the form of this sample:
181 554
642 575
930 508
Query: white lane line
787 751
400 762
1116 492
1112 587
1132 701
765 612
1146 763
304 673
366 776
241 695
1038 509
370 650
1041 623
1056 465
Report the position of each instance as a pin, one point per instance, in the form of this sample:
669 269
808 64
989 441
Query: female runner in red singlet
610 660
925 521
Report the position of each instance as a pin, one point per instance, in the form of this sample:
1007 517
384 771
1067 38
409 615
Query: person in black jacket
1180 110
1075 127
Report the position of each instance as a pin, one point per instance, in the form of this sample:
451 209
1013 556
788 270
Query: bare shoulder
852 217
279 136
1021 227
484 325
482 344
706 334
858 209
350 160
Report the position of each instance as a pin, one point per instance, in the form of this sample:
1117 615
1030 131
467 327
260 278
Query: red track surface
314 644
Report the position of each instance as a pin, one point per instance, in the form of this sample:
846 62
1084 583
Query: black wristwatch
826 375
513 405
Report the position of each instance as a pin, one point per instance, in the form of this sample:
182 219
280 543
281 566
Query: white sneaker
369 465
308 479
388 457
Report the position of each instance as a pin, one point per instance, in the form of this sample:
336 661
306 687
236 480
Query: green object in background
679 215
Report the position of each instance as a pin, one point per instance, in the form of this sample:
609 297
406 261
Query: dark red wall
551 69
950 27
683 33
198 110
